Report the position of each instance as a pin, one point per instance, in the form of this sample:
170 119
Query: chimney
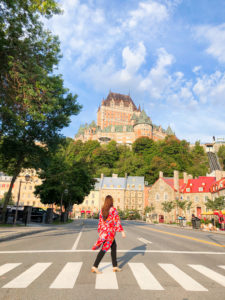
114 175
125 175
185 175
176 180
102 176
190 176
160 174
218 175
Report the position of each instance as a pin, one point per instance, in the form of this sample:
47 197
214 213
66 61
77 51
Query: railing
213 161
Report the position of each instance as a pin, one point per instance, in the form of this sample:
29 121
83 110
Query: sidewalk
189 228
10 233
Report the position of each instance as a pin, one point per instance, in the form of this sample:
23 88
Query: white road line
107 280
210 274
8 267
182 278
27 277
144 277
144 240
119 251
77 240
223 267
67 277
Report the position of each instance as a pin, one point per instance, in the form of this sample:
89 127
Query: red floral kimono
107 229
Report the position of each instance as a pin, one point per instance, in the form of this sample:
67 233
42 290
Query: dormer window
187 189
200 189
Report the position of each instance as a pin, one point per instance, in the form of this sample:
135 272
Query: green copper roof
143 119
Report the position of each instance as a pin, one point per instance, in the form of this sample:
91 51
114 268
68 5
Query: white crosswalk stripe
107 280
67 277
144 277
27 277
188 283
8 267
210 274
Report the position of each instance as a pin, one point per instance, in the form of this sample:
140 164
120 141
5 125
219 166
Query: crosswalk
145 279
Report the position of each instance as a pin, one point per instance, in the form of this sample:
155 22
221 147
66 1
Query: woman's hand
123 234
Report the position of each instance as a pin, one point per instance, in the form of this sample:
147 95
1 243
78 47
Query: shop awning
82 212
211 213
88 211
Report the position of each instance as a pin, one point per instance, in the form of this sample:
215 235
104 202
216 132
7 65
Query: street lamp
27 178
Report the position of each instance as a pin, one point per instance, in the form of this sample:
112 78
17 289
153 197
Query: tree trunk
8 195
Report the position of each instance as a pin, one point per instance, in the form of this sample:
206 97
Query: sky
169 55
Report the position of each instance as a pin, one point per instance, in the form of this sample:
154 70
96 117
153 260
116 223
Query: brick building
119 119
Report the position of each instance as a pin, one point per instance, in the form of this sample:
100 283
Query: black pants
102 253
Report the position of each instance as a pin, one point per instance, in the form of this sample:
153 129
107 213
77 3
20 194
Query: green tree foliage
221 155
145 158
167 206
60 174
217 204
11 200
34 104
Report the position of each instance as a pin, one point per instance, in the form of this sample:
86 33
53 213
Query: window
165 196
200 189
30 188
205 198
187 189
93 195
196 199
87 202
157 197
92 202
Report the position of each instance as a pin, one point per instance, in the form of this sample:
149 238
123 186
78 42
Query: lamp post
27 178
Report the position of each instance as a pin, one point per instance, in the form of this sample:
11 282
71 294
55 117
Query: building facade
120 120
194 191
127 193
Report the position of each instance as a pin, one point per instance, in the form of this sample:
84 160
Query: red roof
170 182
201 184
218 185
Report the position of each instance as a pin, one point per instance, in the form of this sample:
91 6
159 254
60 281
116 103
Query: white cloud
215 36
151 11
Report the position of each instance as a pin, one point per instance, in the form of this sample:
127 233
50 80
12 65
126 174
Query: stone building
196 191
218 188
127 192
119 119
164 189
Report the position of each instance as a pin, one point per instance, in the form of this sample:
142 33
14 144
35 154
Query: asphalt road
158 263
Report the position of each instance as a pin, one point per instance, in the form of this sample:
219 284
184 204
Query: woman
109 223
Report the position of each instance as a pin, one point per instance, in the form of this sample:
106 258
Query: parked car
38 214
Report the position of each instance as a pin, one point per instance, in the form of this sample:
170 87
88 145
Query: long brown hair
106 207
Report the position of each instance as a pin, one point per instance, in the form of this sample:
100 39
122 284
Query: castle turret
143 125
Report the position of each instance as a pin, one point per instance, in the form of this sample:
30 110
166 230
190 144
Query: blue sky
169 54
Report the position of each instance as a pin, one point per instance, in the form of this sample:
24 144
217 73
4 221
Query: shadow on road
123 260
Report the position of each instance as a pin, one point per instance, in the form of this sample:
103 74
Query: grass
57 222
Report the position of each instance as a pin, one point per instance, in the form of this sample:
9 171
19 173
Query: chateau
120 120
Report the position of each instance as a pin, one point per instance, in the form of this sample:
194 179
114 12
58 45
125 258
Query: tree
167 206
221 155
142 145
59 176
217 204
149 209
34 105
11 200
180 204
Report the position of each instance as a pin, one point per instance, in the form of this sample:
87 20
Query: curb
190 228
15 236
